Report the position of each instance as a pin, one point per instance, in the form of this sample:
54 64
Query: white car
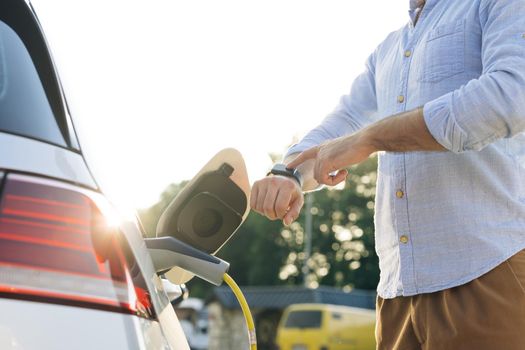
70 278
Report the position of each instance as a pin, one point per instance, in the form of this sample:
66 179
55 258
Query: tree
343 253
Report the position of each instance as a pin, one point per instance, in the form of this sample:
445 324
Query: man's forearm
403 132
327 163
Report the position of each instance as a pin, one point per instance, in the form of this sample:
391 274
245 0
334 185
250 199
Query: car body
326 327
70 277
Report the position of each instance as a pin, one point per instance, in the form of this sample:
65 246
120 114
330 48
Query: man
443 102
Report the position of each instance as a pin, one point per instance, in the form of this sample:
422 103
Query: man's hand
277 197
333 156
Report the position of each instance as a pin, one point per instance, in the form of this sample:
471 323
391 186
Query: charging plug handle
168 252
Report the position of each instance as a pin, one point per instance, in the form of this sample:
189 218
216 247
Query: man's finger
268 206
339 177
330 179
282 203
295 209
253 195
261 195
302 157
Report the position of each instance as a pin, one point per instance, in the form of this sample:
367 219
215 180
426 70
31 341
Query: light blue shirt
460 213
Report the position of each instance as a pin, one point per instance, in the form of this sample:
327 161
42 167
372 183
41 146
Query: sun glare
156 88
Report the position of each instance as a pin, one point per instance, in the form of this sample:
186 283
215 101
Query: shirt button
408 53
400 98
399 194
403 239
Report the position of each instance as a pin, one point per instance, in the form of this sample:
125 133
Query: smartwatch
281 169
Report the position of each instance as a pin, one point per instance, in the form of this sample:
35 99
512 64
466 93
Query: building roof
279 297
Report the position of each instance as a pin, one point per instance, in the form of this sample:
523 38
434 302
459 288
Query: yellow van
326 327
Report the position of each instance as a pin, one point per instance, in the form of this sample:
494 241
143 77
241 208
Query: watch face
281 167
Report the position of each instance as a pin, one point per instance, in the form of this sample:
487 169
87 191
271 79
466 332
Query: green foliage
255 259
343 253
263 252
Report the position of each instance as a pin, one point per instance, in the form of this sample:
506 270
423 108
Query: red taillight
56 246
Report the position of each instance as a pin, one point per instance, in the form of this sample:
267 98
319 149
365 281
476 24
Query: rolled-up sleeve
492 106
353 112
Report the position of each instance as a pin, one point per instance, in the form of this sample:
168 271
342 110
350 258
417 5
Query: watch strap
281 169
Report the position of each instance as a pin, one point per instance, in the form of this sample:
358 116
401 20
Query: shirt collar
415 7
414 4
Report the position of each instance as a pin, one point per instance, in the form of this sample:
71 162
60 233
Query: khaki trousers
486 313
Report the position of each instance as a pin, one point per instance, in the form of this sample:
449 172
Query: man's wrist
283 170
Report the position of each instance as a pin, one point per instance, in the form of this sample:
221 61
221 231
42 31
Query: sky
157 87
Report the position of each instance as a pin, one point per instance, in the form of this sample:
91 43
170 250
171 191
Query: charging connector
168 252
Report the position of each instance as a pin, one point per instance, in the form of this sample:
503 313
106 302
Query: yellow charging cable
245 310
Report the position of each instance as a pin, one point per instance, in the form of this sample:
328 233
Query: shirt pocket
443 52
